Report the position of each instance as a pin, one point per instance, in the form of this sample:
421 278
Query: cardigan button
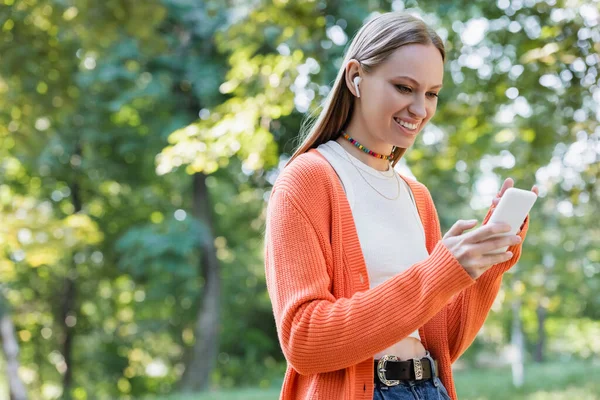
362 280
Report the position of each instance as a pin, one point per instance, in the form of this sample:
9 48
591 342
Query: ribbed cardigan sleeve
467 312
319 333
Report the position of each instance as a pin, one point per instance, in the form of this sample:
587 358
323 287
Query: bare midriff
408 348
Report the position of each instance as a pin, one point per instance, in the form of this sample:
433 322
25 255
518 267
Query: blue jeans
430 389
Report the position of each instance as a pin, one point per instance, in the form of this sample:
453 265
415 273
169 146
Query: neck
381 148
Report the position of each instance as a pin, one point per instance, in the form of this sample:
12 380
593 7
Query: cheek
392 102
386 97
431 109
382 105
430 113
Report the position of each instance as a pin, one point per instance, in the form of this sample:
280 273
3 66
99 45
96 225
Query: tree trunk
517 346
69 294
205 349
67 310
541 342
10 346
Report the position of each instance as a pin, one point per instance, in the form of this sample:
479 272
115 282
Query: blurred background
139 141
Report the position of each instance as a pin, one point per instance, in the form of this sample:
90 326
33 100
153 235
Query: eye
432 94
403 89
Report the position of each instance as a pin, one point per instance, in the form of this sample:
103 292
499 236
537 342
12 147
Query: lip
409 121
406 131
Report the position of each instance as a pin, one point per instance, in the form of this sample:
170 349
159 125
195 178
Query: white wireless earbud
356 82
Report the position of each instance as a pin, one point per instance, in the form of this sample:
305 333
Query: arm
320 333
468 310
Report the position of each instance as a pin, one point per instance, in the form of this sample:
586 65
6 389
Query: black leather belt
389 370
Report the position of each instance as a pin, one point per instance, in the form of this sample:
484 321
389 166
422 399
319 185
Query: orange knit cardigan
329 322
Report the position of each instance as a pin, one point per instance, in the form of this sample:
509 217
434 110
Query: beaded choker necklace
363 148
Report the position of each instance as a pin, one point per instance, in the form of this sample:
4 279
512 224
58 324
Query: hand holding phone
512 209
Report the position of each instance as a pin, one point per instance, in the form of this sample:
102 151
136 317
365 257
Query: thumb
460 226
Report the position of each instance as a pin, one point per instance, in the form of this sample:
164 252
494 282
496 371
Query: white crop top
390 232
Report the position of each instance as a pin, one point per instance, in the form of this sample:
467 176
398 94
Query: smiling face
397 98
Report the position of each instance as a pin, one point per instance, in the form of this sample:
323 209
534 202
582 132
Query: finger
508 183
494 259
460 226
496 200
486 231
490 245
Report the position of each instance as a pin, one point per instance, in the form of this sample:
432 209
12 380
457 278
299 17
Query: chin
404 142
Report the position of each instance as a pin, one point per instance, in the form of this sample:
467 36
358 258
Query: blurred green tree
139 142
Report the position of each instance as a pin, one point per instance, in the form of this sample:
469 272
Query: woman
369 300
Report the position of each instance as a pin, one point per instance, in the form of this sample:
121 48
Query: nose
417 107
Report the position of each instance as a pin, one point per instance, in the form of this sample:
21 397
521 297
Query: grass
572 380
245 394
547 381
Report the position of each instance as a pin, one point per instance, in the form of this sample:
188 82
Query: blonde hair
371 46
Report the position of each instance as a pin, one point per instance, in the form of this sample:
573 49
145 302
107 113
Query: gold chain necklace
361 175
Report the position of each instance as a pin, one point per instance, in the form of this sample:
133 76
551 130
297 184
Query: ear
353 70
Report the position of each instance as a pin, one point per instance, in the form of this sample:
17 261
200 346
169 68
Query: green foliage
551 381
168 247
111 106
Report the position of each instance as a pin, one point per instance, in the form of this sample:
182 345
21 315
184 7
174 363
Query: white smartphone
512 209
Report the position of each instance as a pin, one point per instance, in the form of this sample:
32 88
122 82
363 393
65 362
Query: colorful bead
363 148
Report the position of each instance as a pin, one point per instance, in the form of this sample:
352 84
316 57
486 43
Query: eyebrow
415 82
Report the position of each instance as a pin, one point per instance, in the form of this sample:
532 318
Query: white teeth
406 124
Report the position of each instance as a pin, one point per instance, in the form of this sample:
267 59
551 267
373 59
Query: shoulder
309 175
308 181
418 188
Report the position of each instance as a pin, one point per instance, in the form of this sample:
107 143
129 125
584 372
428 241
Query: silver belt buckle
381 370
418 367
